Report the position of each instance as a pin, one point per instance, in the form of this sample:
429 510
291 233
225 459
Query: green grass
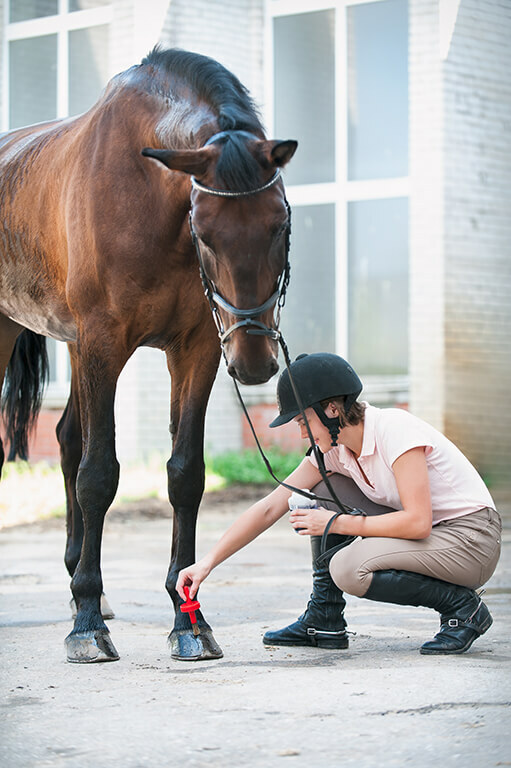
248 466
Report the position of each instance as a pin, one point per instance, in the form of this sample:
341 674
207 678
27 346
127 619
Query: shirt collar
344 455
368 442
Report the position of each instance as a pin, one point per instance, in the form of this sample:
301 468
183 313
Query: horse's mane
225 96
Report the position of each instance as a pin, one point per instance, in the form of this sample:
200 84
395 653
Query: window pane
21 10
59 364
51 348
378 286
378 90
32 80
83 5
305 93
308 318
88 66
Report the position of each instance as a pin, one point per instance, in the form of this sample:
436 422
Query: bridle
256 327
215 299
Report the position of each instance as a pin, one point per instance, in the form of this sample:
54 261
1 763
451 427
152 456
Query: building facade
400 191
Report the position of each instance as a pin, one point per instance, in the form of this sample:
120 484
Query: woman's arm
248 526
411 522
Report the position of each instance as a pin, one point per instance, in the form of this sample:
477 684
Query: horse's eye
281 229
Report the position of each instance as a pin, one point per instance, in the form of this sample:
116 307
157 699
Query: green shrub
248 466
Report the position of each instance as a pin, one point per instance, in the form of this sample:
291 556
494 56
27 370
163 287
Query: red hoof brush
190 607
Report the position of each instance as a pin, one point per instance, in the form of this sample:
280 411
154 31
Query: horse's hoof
89 647
106 610
185 646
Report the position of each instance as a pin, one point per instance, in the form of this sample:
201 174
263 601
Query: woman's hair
355 414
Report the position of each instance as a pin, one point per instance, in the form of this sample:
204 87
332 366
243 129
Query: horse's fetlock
84 585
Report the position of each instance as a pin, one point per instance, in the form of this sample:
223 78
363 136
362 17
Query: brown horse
104 246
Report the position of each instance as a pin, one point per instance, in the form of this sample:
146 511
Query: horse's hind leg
9 332
99 362
191 385
69 436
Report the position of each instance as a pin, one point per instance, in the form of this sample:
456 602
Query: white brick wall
477 204
460 229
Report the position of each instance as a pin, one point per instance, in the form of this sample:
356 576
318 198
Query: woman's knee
348 574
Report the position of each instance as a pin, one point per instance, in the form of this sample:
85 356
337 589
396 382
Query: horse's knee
348 575
185 483
97 483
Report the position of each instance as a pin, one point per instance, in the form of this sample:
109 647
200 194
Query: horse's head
240 223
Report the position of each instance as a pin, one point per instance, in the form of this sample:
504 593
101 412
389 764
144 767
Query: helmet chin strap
333 424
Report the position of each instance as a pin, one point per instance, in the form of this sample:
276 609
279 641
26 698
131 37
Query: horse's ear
277 153
192 161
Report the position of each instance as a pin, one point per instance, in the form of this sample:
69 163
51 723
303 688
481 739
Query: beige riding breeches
462 551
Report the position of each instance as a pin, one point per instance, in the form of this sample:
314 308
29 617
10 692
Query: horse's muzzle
248 373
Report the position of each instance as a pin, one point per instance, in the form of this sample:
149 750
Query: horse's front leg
191 386
99 362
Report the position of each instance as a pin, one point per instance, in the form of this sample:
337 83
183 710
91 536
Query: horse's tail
25 379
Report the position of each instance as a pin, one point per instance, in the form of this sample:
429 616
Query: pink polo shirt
456 487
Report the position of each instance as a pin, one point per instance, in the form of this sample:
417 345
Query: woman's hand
310 522
192 577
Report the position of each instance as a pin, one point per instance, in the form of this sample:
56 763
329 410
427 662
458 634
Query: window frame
384 388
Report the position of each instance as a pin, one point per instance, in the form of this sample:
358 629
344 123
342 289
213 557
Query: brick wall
477 200
460 228
287 437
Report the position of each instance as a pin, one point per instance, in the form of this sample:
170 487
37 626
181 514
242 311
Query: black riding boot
463 615
322 624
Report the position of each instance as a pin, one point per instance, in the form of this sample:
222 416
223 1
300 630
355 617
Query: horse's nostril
274 367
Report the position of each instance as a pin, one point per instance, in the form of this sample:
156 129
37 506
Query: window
32 100
69 51
21 10
340 86
308 319
377 90
378 277
305 93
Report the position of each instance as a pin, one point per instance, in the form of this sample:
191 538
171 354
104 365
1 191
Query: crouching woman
430 536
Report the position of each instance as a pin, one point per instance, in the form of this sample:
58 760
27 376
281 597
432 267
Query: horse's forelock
236 168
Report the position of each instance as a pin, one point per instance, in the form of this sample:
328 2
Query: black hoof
106 611
185 646
89 647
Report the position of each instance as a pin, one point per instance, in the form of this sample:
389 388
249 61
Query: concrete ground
380 703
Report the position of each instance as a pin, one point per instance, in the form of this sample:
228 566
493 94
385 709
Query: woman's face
320 433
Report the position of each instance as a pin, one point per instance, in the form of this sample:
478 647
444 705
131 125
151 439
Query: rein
256 327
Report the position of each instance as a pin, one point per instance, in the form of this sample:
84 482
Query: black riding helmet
317 377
